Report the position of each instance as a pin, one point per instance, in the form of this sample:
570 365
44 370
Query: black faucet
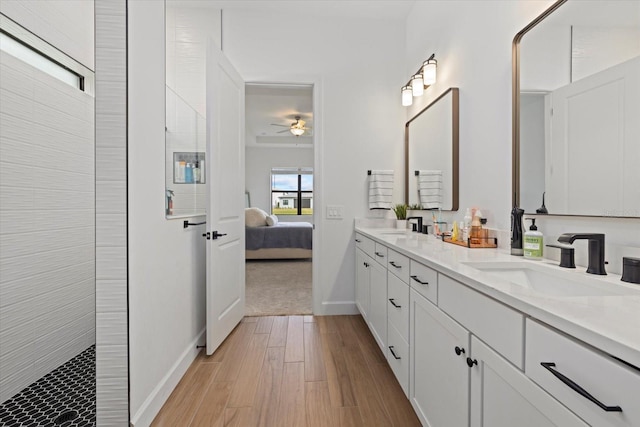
596 249
419 227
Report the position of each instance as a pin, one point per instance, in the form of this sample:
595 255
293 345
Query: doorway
279 176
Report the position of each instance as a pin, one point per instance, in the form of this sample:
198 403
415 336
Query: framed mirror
431 154
576 103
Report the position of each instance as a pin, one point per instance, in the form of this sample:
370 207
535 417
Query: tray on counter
473 243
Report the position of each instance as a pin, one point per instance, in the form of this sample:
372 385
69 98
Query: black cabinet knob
459 350
471 362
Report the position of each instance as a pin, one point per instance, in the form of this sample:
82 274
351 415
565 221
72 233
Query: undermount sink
544 279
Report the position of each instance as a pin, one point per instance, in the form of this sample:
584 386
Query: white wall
66 24
259 162
166 261
357 67
472 41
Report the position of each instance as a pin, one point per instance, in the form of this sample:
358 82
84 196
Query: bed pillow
255 217
272 220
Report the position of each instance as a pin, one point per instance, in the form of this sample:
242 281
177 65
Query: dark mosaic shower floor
55 399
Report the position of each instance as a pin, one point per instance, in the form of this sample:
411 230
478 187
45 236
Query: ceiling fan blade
283 131
276 124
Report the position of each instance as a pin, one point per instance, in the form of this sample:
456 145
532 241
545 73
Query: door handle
395 356
215 234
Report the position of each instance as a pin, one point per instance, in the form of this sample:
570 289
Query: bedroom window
292 191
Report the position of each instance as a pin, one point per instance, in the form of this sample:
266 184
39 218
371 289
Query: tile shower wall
47 237
112 375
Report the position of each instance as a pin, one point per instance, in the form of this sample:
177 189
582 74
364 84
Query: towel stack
380 189
430 188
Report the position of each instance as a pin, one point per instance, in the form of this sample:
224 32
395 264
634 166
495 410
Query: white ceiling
266 104
389 10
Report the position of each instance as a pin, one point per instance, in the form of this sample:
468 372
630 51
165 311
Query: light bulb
417 85
407 96
429 71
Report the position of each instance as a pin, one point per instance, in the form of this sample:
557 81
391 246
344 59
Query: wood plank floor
291 371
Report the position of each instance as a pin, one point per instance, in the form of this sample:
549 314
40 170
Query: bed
283 240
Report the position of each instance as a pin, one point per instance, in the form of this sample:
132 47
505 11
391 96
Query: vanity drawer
367 245
424 280
398 264
499 326
400 361
609 381
398 307
380 254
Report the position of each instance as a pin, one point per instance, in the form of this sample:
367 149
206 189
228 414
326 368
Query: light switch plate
335 212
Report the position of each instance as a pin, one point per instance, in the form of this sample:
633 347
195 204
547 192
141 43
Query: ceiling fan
297 128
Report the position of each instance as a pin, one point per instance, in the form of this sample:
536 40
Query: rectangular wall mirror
431 154
576 103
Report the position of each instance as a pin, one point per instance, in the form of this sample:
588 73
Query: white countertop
610 323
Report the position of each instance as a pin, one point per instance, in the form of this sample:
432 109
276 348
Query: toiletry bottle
183 167
467 219
516 231
533 242
476 227
188 174
461 236
196 173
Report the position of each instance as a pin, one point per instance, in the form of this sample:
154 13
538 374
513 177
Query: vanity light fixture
417 85
407 96
429 70
422 79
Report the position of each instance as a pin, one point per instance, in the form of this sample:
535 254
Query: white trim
336 308
317 282
161 392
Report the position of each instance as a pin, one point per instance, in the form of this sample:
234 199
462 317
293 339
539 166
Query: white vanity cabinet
371 286
566 368
378 306
467 359
398 317
439 375
364 252
502 396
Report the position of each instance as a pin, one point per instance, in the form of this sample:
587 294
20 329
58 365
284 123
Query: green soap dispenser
533 242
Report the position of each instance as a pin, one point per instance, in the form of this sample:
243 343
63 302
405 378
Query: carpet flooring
278 287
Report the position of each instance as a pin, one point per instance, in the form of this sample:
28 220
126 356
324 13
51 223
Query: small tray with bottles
472 242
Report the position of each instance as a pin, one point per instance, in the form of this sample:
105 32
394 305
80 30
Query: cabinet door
502 396
378 304
438 378
362 282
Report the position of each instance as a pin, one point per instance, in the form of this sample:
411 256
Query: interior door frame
318 307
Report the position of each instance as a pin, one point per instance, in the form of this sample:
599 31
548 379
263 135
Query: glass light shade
297 131
429 71
407 96
417 85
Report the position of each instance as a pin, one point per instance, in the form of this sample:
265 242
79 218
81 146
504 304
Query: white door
225 205
438 372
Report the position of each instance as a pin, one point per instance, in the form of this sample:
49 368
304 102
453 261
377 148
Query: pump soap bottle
516 231
533 242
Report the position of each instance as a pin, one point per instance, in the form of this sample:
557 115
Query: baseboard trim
160 394
335 308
